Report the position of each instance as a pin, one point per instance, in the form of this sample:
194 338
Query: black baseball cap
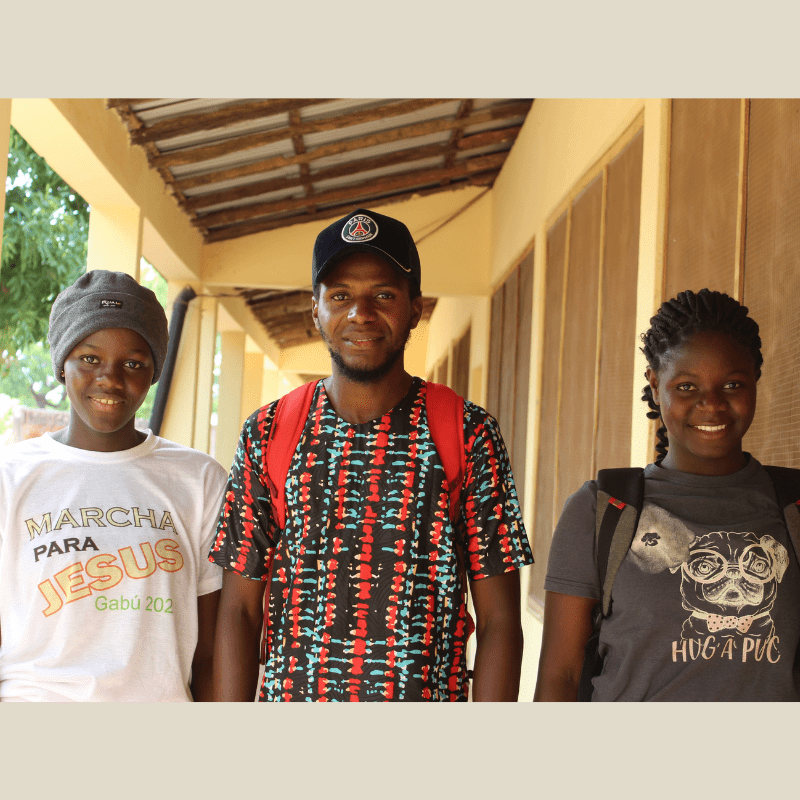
370 232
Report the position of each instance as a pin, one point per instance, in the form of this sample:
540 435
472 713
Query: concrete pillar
205 372
5 131
653 216
252 379
179 416
286 382
230 395
115 239
269 386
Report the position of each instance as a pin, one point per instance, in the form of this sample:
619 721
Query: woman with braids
706 603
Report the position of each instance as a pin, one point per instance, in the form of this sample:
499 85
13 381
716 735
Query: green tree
29 378
152 280
45 242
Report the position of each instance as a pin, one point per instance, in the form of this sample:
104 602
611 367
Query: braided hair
678 320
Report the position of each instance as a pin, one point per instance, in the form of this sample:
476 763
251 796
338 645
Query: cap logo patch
111 304
359 228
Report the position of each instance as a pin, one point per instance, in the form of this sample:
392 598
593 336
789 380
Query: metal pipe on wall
179 308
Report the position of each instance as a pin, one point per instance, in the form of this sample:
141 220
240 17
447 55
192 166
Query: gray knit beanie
102 299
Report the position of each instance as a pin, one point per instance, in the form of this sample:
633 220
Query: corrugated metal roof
240 166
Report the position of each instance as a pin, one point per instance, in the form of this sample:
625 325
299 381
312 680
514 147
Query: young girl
105 590
706 603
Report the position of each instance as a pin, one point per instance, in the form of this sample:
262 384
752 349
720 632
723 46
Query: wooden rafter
295 125
350 168
464 110
432 148
391 183
278 304
134 124
507 110
339 210
195 154
220 118
487 138
455 155
286 316
123 102
484 179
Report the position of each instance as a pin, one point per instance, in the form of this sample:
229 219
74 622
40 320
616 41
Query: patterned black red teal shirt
365 597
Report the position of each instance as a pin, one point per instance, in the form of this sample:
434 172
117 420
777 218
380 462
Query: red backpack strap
290 417
445 411
287 427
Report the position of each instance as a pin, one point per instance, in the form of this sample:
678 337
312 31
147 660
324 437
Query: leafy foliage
152 280
29 374
45 243
29 378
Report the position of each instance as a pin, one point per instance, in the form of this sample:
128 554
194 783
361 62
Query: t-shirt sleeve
246 533
495 536
209 577
571 567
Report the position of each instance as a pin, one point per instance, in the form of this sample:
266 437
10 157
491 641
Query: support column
179 415
269 386
251 384
653 216
230 395
205 373
5 132
115 239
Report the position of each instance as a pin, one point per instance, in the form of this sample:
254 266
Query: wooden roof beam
275 296
350 168
268 312
299 149
117 102
464 110
220 118
489 137
484 179
236 144
389 184
339 210
503 111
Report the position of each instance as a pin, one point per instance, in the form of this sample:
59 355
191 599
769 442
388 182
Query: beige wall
451 317
560 141
455 258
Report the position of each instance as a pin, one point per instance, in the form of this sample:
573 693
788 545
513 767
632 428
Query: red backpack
445 410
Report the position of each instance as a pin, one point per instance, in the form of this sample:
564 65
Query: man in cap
365 599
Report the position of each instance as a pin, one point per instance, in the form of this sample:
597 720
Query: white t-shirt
102 559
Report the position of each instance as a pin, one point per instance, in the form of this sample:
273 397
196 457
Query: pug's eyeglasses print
708 566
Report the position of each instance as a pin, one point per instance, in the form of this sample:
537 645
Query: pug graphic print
729 584
706 602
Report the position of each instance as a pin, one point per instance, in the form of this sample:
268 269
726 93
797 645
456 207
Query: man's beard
364 375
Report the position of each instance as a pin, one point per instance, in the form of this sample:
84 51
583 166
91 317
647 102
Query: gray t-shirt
706 604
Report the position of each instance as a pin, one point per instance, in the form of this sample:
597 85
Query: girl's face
706 389
107 376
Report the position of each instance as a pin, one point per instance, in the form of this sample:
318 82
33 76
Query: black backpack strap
620 495
787 488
